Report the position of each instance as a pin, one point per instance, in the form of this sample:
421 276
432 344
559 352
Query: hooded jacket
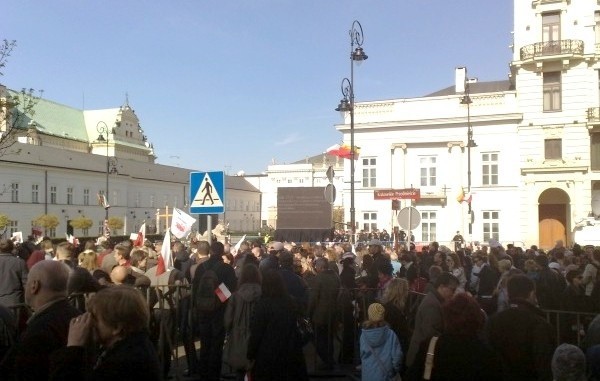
237 324
380 354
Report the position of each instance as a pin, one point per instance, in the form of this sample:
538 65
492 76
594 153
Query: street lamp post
466 100
103 129
347 105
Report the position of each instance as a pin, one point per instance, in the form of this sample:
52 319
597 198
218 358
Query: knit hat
376 312
568 363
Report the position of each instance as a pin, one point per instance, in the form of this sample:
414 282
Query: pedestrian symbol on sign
206 193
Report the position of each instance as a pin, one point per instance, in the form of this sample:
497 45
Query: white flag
181 224
239 244
165 261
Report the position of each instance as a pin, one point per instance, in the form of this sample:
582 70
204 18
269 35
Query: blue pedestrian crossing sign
207 192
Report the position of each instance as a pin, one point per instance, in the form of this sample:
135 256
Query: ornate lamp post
347 105
103 129
466 100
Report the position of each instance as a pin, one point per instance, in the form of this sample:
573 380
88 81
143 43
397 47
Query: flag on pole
462 197
343 151
103 201
239 244
141 236
181 223
165 259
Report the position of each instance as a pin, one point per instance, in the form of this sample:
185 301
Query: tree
4 221
115 223
338 218
81 223
47 221
16 108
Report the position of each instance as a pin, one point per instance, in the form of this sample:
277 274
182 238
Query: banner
181 223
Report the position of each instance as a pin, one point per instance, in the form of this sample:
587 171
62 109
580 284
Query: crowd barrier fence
570 326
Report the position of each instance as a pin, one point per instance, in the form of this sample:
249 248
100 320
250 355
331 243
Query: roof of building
477 88
56 119
321 159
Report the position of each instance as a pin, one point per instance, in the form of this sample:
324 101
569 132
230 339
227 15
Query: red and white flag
72 239
462 197
181 223
141 236
223 292
344 151
103 201
165 259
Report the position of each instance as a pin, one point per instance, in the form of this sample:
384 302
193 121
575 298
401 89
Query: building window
369 221
551 33
13 227
14 192
428 171
428 226
595 151
489 170
597 29
85 232
35 194
491 225
53 194
51 232
369 172
553 149
86 196
552 90
70 196
101 228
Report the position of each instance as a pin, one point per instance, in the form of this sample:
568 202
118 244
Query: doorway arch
553 208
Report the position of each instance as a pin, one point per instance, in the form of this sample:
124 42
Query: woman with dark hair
275 345
119 317
237 319
489 275
459 353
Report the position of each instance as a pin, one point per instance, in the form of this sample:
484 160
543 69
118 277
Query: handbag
429 358
305 330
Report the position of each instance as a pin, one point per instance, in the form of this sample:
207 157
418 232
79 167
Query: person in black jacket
322 310
46 332
119 318
211 328
275 346
521 336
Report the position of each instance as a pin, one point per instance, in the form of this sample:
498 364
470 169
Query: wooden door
552 224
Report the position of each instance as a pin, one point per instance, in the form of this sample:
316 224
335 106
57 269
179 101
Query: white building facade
534 169
58 167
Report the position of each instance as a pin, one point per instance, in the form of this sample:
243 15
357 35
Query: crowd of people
104 310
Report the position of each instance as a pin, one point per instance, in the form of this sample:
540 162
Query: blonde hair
396 293
88 260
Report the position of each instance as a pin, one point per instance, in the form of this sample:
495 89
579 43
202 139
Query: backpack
204 299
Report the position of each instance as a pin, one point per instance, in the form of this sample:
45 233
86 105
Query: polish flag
223 292
141 236
165 259
343 151
462 197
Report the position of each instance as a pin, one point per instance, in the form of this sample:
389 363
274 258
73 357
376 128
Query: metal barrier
346 325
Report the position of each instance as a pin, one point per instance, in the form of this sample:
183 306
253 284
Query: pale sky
232 85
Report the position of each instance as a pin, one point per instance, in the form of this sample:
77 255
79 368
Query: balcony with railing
552 48
593 117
